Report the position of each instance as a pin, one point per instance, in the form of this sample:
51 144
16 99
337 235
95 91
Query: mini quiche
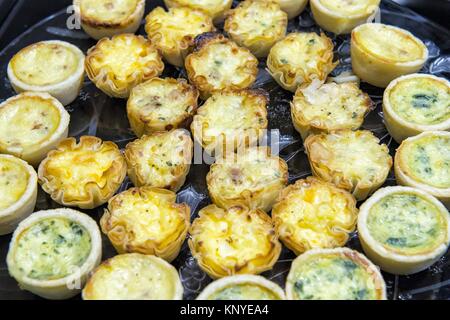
300 59
214 8
423 162
54 67
231 120
52 252
256 25
160 105
134 276
106 18
242 287
352 160
330 107
218 64
403 230
161 160
416 103
334 274
292 7
32 124
380 53
118 64
233 241
18 192
251 178
314 214
341 16
84 174
173 31
146 220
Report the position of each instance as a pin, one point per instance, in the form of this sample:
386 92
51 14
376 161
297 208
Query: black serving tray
93 113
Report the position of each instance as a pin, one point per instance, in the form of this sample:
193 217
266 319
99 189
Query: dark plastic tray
93 113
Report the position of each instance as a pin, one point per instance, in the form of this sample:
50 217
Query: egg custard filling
52 249
214 8
348 7
14 180
107 12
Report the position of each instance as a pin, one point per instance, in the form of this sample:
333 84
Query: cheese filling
27 121
52 249
349 7
407 224
244 292
44 64
13 182
333 277
428 160
107 11
421 101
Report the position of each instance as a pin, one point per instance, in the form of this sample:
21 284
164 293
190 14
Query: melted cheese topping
107 11
27 121
333 277
315 215
169 29
421 100
332 106
133 277
407 223
350 7
52 249
211 7
13 182
44 64
428 160
160 159
245 291
389 43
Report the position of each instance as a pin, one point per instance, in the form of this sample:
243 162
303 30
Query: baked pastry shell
217 13
57 289
379 70
399 128
66 91
24 206
394 262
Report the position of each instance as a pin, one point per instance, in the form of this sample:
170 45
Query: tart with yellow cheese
231 120
161 104
341 16
54 67
134 276
314 214
84 174
32 124
218 64
330 107
352 160
118 64
106 18
233 241
161 160
251 178
300 59
242 287
173 31
52 252
146 220
256 25
334 274
403 230
380 53
214 8
292 7
18 192
416 103
423 162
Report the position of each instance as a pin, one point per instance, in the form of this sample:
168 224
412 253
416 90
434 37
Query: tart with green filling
242 287
416 103
52 252
18 192
134 276
403 230
334 274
